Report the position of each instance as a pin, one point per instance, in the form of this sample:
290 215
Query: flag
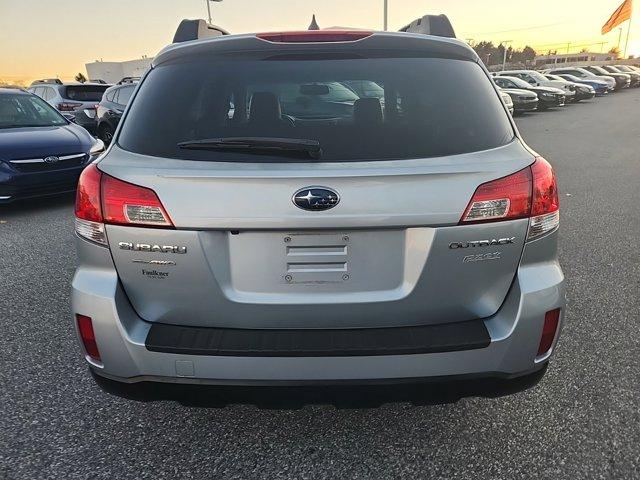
622 14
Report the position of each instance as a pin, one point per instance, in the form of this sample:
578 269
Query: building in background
113 72
583 58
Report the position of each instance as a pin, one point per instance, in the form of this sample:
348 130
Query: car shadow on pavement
339 396
32 205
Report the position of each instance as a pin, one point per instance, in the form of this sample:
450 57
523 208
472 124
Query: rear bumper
352 394
121 335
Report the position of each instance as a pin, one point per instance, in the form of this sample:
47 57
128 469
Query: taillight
549 329
506 198
102 199
68 106
545 206
89 221
311 36
529 193
88 337
128 204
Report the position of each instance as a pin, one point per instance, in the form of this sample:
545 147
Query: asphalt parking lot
582 421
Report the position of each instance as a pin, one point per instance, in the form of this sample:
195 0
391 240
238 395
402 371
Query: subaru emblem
316 198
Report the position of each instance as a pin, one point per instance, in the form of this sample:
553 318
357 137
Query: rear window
357 109
85 93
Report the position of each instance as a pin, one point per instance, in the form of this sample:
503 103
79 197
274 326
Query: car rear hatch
79 97
364 233
389 254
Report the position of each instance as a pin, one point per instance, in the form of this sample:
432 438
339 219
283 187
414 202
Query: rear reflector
85 327
551 321
311 36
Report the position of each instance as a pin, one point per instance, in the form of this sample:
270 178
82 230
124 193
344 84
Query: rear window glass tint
357 109
85 93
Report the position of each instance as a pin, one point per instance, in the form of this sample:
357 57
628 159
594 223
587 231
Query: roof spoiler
438 25
48 81
195 29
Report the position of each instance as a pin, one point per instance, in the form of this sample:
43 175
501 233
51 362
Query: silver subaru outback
317 207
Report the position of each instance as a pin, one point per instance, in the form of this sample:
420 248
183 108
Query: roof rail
51 81
97 80
438 25
128 80
195 29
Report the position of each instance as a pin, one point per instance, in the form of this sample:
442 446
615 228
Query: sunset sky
40 38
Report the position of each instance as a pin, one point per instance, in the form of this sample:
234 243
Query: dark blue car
599 86
41 152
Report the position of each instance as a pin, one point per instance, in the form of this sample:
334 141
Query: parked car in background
547 96
41 152
523 100
628 69
88 117
582 91
217 250
600 87
537 79
622 79
635 76
506 98
110 109
583 74
68 98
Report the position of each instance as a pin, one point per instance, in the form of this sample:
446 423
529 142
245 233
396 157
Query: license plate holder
317 258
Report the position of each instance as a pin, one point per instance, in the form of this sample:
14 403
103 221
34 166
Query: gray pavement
581 422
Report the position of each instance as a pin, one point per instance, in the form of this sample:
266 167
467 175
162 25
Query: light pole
619 37
385 14
504 56
209 7
626 42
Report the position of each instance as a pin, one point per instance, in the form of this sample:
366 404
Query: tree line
494 54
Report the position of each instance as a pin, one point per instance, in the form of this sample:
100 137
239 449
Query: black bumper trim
341 393
449 337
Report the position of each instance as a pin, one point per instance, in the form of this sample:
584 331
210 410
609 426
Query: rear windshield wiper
258 145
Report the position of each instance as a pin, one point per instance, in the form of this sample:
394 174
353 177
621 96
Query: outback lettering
482 243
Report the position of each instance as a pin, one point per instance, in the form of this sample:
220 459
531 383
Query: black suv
111 108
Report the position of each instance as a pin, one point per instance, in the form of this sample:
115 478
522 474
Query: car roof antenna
314 24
